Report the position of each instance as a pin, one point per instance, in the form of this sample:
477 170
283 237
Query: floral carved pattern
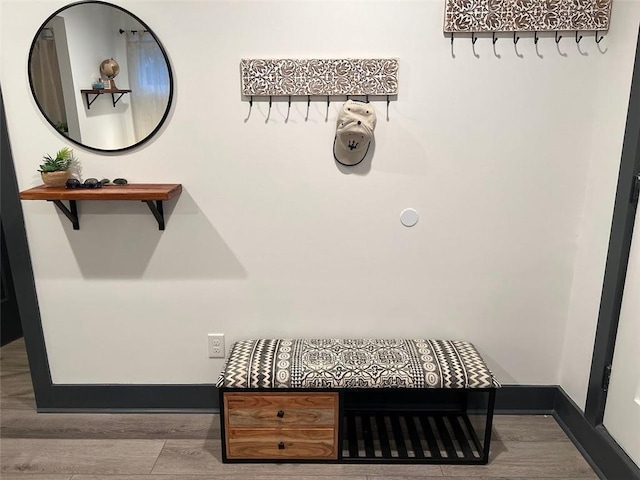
526 15
319 77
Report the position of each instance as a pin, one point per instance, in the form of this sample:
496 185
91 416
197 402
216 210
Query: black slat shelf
409 437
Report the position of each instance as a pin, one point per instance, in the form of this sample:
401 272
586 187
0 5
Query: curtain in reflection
46 80
148 81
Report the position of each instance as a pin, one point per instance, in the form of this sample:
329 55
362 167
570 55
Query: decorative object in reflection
526 15
265 77
65 56
109 69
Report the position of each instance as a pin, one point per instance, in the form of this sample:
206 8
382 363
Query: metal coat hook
535 37
250 107
474 39
515 39
326 118
558 38
388 100
308 106
452 39
266 120
578 38
288 109
367 98
495 39
598 40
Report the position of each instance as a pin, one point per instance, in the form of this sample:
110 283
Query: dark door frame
624 212
21 269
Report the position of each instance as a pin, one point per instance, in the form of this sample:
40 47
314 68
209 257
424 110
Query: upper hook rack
536 37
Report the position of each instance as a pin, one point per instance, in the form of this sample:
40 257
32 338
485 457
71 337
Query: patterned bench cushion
355 363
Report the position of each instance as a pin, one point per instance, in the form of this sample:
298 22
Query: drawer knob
280 414
281 446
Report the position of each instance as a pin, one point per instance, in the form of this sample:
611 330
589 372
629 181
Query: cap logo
353 144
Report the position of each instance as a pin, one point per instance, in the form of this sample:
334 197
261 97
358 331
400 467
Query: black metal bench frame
377 425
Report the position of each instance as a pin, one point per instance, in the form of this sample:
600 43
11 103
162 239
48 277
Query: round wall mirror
100 76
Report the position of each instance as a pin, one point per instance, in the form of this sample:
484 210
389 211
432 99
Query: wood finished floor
186 446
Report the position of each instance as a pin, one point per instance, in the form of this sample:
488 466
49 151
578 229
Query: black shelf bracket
71 214
114 99
157 211
89 102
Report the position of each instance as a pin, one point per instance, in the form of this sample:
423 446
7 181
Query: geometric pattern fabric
355 363
526 15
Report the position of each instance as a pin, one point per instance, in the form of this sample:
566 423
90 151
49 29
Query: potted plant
55 170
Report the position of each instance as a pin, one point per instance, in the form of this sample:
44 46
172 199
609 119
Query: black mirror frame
164 54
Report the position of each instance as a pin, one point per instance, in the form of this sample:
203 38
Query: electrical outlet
216 345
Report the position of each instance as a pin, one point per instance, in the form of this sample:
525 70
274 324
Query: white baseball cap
354 132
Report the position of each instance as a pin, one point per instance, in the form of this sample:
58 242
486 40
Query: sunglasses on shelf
93 182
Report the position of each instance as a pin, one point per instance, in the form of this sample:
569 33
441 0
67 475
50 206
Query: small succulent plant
62 161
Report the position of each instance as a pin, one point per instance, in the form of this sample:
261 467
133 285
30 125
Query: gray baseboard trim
128 399
526 399
596 445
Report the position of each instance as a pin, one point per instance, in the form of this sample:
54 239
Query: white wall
501 157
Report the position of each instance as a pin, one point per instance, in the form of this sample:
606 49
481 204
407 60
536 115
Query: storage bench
356 400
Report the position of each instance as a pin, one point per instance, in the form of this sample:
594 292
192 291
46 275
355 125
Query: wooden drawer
284 443
275 425
281 409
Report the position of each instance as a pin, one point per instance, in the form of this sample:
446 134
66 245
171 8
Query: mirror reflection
100 76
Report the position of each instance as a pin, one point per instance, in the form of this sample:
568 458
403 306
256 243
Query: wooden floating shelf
132 191
145 192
